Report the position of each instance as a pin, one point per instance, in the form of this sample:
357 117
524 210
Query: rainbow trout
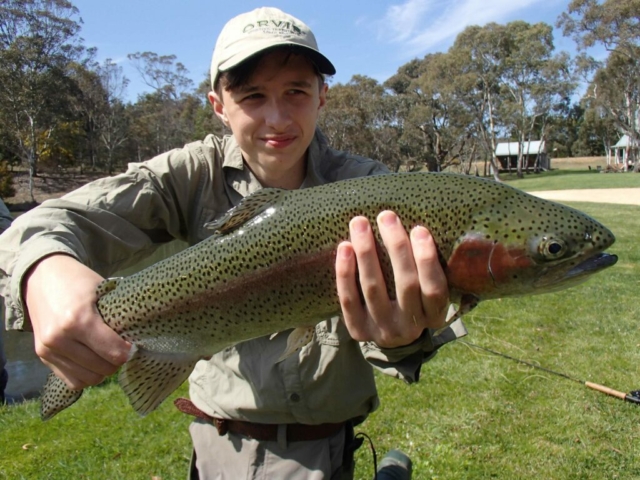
269 267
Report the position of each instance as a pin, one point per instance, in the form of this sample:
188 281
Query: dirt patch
46 185
578 163
626 196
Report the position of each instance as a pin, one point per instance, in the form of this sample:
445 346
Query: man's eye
253 96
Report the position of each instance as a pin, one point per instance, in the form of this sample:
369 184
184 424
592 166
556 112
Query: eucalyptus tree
436 127
533 82
478 53
112 121
39 44
360 117
615 86
161 110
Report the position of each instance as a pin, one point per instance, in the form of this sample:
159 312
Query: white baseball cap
263 28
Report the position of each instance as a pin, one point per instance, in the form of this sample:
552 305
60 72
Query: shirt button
294 397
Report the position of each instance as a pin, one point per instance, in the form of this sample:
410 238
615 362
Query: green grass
473 415
572 179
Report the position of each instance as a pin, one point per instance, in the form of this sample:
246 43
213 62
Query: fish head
523 245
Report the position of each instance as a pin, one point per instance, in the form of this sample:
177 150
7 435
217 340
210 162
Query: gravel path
628 196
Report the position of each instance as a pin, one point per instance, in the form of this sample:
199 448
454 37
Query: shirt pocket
332 332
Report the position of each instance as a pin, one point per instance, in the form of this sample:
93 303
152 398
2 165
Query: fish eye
551 248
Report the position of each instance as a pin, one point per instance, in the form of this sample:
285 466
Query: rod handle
607 390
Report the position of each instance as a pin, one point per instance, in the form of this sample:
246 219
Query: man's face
273 117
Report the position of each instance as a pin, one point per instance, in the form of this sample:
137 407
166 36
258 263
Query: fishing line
632 397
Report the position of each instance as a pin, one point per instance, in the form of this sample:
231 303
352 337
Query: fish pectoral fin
467 303
297 339
56 396
150 377
248 208
107 285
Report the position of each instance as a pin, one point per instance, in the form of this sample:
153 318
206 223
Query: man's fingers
107 344
353 312
397 243
75 376
372 282
433 282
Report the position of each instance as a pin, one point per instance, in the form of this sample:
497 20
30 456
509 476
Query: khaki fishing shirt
115 222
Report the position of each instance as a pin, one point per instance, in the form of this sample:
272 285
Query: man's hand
70 336
422 295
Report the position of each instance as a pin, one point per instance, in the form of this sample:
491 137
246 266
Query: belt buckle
221 425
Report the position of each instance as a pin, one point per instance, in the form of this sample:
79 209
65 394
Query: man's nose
277 115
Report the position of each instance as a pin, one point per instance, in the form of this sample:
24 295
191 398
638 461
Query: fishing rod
632 397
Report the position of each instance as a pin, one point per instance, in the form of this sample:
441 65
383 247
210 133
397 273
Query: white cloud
420 25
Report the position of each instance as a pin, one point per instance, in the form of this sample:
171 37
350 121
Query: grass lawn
473 415
571 179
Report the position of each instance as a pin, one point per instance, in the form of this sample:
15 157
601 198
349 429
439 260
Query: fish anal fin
150 377
56 396
248 208
298 338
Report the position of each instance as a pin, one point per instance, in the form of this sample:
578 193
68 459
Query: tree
436 127
533 82
615 86
161 112
478 52
359 117
38 44
112 122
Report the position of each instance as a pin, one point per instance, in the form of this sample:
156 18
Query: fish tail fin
150 377
297 339
56 396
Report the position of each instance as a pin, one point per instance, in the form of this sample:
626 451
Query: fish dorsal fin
107 285
150 377
56 396
248 208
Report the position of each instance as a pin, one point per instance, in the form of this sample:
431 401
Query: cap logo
273 27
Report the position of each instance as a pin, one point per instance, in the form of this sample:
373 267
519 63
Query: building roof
623 142
506 149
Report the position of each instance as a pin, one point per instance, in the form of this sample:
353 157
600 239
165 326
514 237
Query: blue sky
370 38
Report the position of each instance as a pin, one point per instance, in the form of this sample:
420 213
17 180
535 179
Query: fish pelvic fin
467 303
150 377
248 208
56 396
297 339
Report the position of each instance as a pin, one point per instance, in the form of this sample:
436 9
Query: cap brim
323 63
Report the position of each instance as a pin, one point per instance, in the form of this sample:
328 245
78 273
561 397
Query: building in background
534 153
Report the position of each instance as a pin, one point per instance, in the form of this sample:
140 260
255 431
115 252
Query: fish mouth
577 273
592 265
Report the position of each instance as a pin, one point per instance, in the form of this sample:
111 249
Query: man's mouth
279 142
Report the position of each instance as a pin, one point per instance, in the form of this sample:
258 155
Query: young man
259 418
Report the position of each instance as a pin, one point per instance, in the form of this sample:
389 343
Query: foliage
6 186
360 117
615 87
447 110
37 48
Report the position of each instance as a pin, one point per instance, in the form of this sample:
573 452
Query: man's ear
323 95
218 107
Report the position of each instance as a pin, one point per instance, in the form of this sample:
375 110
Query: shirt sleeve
406 362
107 224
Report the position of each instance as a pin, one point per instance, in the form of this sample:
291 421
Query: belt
295 432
